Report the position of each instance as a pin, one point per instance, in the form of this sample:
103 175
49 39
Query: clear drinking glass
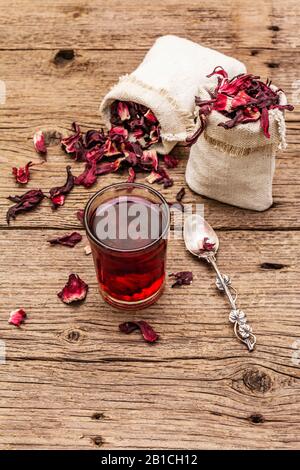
127 225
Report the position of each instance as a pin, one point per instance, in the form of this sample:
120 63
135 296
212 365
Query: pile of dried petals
139 121
244 98
127 145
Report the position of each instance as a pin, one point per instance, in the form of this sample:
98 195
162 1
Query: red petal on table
25 202
131 175
182 278
17 317
22 174
71 239
75 290
165 178
170 161
40 143
180 195
58 200
80 215
58 194
147 331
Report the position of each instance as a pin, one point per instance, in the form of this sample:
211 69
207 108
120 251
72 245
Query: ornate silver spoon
202 241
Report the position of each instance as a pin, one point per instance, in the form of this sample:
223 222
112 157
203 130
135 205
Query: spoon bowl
196 229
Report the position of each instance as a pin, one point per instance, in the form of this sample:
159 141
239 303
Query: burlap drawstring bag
236 166
167 81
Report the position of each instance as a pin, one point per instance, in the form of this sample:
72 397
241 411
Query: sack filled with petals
165 85
240 127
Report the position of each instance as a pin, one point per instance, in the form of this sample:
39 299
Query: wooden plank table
71 380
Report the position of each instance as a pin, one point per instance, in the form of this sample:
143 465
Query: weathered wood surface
71 380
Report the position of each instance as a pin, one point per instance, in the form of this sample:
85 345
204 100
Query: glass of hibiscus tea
127 225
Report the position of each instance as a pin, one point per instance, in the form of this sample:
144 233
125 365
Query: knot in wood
63 56
257 380
256 418
97 440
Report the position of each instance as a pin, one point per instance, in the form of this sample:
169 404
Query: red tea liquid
130 263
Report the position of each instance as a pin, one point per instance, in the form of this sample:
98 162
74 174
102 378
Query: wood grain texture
71 380
195 388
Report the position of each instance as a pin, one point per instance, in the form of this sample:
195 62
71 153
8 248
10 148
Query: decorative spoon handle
242 329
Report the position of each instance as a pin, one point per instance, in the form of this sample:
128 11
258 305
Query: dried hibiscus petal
94 138
22 173
207 245
149 159
118 134
59 193
16 317
182 278
80 215
88 177
180 195
147 331
170 161
149 115
109 167
123 111
75 290
39 143
131 175
70 239
73 145
25 202
95 154
165 178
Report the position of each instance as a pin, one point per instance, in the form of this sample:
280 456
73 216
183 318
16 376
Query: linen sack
167 81
236 166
